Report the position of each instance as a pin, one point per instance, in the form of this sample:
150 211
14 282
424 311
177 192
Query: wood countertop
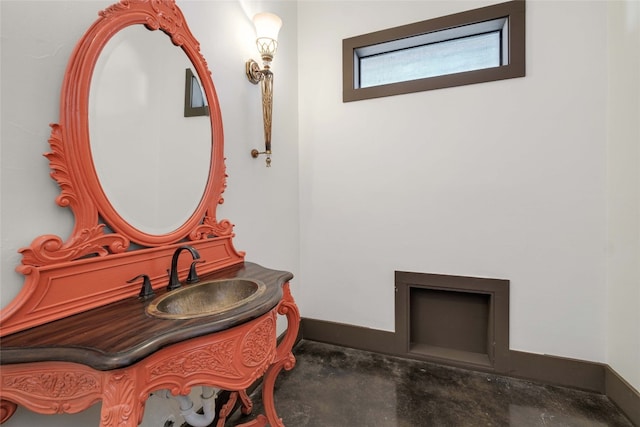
122 333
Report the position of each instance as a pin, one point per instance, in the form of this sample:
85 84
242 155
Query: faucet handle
193 275
147 290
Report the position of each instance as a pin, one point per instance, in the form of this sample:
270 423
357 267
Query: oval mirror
129 158
151 161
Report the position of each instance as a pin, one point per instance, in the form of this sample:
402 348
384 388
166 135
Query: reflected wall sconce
267 28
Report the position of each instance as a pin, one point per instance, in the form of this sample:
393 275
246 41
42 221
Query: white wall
623 191
503 179
37 39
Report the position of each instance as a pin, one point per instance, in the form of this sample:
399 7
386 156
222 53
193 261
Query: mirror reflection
152 161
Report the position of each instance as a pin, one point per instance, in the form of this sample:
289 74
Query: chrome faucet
174 283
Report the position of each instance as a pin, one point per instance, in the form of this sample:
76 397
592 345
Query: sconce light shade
267 27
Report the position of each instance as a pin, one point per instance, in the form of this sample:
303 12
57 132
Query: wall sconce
267 28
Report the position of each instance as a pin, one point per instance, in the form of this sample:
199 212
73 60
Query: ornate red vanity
78 332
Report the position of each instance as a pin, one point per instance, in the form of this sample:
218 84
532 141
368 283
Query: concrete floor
333 386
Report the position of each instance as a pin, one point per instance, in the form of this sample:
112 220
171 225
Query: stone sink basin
205 298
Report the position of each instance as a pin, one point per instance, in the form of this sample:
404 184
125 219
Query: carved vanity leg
284 359
120 405
247 404
7 409
226 409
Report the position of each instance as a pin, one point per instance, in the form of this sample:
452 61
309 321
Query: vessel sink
205 298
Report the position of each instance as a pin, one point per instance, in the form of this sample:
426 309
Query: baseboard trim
544 368
349 336
623 394
579 374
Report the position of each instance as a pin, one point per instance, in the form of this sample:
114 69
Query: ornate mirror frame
91 268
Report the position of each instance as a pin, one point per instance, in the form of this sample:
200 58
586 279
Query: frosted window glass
197 97
436 59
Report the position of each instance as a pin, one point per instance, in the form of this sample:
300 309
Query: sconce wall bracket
254 73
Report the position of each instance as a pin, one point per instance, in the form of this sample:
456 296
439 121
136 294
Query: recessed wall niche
464 320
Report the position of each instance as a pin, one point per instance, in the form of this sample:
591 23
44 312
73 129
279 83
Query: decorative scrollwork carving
288 308
49 249
87 240
7 409
162 14
119 395
61 385
224 182
59 169
114 9
167 18
210 227
216 358
258 343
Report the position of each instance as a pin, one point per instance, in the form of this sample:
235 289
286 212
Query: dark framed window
474 46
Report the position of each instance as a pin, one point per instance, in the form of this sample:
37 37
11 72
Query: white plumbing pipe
194 419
